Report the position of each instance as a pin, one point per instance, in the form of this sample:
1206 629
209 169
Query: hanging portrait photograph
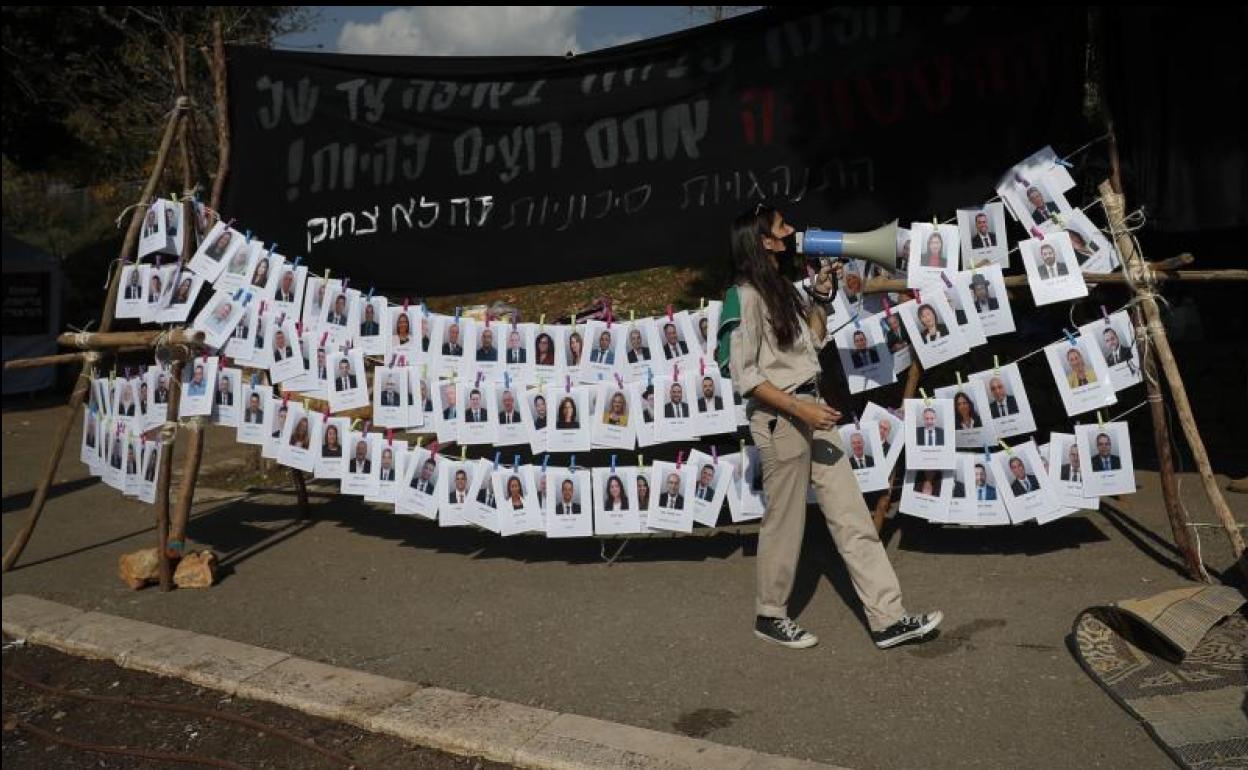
934 249
1052 271
1115 336
983 236
1105 450
1081 375
1009 408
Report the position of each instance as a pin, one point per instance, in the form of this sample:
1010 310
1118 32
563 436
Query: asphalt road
661 639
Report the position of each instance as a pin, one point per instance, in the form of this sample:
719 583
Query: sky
443 30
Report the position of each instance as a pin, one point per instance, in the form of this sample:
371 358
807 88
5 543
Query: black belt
808 388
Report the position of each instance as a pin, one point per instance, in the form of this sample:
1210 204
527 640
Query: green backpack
729 317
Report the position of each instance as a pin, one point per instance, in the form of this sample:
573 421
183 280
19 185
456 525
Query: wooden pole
166 482
886 500
880 285
220 96
145 339
195 444
1159 344
106 322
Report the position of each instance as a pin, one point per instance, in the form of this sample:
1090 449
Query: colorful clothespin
433 449
641 462
1037 233
572 464
325 413
1070 337
541 322
701 367
670 314
247 235
857 424
680 459
295 264
390 436
958 376
612 465
420 441
945 277
649 377
632 316
1105 314
506 381
545 462
327 274
1008 451
857 323
1100 420
987 454
498 456
927 400
355 424
888 306
568 384
714 453
255 379
996 364
346 282
463 453
619 381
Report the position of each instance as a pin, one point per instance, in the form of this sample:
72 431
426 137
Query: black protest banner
453 174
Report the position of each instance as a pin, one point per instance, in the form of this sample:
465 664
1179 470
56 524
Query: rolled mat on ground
1178 662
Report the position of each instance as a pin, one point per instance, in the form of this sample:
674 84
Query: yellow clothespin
1100 420
958 375
1008 451
996 365
641 462
541 322
327 274
420 441
463 453
701 304
632 316
355 424
927 400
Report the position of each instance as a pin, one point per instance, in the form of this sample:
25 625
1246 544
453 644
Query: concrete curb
442 719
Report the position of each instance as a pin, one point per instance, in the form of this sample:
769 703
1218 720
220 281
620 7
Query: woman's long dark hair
754 266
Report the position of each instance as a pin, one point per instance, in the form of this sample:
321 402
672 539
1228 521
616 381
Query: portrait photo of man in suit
673 346
134 288
386 471
1002 403
1041 209
254 414
1105 459
708 399
286 287
486 350
983 490
451 346
197 385
861 355
459 492
475 411
704 489
983 237
508 414
1115 351
929 434
359 461
1023 482
425 480
1048 267
602 353
338 313
515 350
981 293
886 432
225 391
449 410
566 504
1070 470
346 379
369 327
637 352
676 406
858 457
390 391
281 347
671 497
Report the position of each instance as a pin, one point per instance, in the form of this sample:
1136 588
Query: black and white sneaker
785 632
909 627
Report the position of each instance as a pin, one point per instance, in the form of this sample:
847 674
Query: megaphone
878 246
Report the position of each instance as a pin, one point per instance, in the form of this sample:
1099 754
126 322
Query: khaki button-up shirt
757 357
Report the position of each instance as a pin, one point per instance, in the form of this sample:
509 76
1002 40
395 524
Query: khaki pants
785 447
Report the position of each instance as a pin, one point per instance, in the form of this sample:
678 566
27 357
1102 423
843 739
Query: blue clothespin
497 456
987 454
857 325
1070 337
458 309
273 247
945 277
370 293
237 293
612 465
649 377
249 236
506 381
572 465
1063 162
297 261
545 462
255 379
515 462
